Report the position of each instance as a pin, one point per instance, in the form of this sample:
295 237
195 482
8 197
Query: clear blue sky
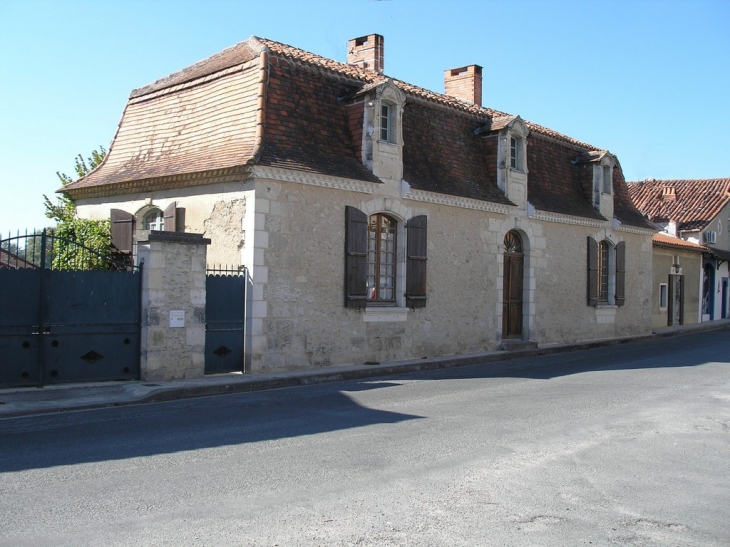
648 80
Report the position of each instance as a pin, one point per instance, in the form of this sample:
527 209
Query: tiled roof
206 118
692 204
662 239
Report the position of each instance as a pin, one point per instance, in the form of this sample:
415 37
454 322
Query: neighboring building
677 281
377 220
697 211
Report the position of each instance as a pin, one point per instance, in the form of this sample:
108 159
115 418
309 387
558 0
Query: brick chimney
668 193
464 83
367 52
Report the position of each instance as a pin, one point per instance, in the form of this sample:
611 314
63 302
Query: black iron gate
67 313
225 305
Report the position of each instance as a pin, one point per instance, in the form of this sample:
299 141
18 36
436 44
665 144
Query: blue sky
648 80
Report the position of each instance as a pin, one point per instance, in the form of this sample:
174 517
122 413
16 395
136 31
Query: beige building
677 280
377 220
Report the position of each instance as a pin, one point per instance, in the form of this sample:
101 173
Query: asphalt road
622 445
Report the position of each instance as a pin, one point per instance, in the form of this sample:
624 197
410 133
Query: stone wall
173 306
216 211
298 315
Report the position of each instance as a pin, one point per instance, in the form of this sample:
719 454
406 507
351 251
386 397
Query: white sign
177 318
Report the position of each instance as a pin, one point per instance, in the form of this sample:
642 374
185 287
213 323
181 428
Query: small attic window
516 153
607 179
361 41
387 124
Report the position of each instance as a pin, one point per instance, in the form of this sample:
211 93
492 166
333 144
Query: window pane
381 257
385 122
606 179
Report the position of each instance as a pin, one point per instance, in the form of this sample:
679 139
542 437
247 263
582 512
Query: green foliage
73 240
75 233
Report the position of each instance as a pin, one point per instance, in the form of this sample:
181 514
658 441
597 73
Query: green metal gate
225 305
71 320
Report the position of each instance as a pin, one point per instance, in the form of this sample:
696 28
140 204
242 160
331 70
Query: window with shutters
380 271
127 228
606 273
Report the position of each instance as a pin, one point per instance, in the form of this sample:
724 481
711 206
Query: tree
72 233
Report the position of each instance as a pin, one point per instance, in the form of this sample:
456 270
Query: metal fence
43 249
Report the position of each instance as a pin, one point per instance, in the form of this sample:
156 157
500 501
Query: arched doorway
512 286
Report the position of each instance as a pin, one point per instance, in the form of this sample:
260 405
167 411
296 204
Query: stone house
377 220
697 211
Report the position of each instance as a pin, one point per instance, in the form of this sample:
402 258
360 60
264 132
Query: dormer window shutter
122 228
416 233
356 239
620 273
170 215
592 272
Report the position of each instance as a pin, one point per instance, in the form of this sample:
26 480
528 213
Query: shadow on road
270 416
147 430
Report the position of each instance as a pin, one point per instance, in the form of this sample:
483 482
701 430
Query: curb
244 383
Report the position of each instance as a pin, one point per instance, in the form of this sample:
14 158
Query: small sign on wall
177 318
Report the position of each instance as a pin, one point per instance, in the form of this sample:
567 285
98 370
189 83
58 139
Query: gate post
173 305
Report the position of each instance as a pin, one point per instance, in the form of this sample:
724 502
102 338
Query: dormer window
514 153
599 165
607 180
387 127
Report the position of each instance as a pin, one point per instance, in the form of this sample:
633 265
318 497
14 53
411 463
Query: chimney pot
367 52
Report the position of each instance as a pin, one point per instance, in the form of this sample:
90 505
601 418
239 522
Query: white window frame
386 121
663 296
158 223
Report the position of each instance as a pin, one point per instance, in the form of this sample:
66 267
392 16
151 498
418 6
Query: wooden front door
512 285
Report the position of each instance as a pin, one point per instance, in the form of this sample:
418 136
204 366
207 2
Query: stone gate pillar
173 305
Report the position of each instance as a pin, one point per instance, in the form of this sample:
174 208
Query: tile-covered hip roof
692 204
262 102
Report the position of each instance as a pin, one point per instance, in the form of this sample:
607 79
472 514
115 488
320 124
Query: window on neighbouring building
662 295
381 258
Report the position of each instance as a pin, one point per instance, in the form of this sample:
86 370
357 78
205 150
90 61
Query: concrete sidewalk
27 401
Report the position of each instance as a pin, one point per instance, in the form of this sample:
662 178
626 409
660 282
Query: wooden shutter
180 219
170 215
416 233
356 256
592 272
620 273
122 226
